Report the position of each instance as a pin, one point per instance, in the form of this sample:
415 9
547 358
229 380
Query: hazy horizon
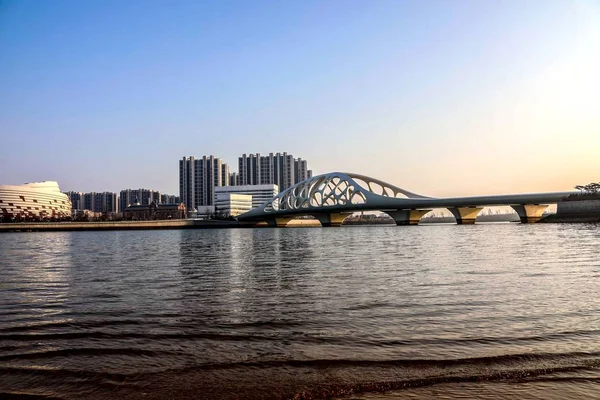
441 98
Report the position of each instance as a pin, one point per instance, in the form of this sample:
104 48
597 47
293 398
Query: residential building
106 202
249 169
301 170
76 200
260 193
88 201
169 199
281 169
224 179
232 205
143 197
234 179
198 178
100 202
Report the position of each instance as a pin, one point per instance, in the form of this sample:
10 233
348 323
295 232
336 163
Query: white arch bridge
334 196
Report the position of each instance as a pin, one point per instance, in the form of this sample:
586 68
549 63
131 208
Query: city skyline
445 98
108 201
199 177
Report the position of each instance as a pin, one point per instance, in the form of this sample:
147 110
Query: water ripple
297 313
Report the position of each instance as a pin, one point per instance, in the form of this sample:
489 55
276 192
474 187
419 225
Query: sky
444 98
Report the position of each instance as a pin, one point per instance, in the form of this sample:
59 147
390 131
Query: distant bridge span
332 197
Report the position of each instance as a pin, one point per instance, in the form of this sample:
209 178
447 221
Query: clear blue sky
440 97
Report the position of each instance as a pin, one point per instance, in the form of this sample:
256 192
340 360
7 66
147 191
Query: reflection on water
376 312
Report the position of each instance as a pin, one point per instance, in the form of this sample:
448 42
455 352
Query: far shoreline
228 224
120 225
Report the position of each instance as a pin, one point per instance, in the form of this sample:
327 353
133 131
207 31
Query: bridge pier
529 213
331 219
279 222
465 215
407 217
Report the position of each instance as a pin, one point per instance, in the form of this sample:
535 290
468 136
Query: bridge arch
334 190
330 197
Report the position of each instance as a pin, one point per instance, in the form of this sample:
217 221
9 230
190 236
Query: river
365 312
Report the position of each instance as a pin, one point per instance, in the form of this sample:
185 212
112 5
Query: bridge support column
279 222
465 215
331 219
529 213
407 217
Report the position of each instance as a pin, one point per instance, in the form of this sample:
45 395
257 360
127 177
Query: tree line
590 188
591 191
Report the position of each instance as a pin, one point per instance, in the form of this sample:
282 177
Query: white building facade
260 193
37 200
232 205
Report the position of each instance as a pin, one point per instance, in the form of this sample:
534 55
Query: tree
592 188
590 191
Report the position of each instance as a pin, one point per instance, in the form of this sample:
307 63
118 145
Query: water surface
378 312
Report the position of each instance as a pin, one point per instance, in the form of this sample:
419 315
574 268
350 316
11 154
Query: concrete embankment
140 225
575 211
120 225
571 218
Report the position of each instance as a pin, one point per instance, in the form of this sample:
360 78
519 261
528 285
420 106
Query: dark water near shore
486 311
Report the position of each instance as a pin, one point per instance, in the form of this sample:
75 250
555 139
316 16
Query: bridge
332 197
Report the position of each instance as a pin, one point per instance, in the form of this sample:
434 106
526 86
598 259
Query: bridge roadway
332 197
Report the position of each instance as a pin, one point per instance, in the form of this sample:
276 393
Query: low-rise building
89 215
170 211
202 212
154 211
232 205
260 193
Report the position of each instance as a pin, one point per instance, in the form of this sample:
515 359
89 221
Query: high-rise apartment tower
144 197
198 178
281 169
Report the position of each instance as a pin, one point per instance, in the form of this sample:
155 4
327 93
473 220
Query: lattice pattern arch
334 189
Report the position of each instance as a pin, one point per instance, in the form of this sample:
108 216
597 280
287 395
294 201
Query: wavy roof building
37 200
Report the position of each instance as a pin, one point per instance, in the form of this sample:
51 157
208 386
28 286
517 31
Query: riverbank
570 218
223 224
141 225
575 211
121 225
